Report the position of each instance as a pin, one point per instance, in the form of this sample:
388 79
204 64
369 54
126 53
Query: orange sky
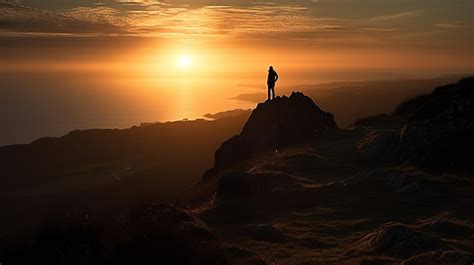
232 39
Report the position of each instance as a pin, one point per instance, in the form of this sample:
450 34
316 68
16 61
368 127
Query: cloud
458 24
141 2
16 19
264 20
260 20
10 1
397 16
136 1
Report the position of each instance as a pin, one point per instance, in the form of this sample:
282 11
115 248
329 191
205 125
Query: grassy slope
340 197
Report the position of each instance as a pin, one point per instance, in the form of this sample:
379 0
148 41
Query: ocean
34 106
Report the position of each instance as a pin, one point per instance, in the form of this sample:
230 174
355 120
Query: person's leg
271 92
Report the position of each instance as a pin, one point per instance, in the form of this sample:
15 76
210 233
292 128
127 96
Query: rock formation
440 129
275 124
435 131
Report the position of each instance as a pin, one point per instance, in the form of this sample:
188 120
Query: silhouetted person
272 78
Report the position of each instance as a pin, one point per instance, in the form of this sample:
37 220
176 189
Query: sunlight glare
184 61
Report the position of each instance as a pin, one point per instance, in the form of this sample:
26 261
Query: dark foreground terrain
394 189
105 171
294 188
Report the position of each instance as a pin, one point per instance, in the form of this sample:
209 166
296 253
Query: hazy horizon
47 107
112 64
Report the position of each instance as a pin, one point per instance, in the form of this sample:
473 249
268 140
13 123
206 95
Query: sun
184 61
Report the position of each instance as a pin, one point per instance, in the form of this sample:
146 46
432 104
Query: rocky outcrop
379 144
397 240
241 185
263 232
439 132
449 228
275 124
441 258
434 131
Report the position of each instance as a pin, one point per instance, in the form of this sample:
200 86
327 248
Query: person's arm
276 76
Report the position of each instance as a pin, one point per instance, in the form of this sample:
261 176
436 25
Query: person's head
270 68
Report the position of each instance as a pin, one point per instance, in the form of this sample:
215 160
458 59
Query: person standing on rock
272 78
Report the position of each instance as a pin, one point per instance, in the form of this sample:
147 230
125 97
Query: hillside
291 188
349 101
107 170
395 188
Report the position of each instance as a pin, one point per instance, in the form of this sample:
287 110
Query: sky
235 38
